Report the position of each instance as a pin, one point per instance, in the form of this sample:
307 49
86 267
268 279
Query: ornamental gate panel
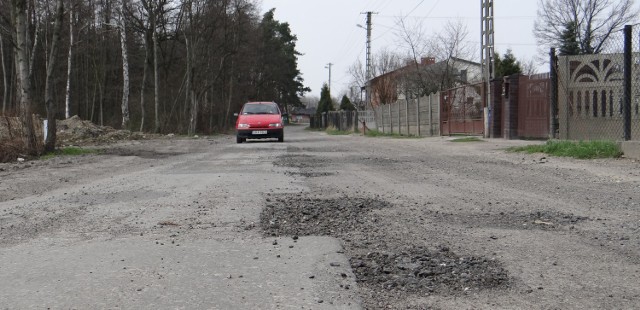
461 110
533 106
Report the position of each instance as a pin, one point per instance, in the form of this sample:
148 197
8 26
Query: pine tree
346 105
507 65
569 40
326 103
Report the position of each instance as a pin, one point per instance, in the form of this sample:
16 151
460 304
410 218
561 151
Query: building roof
304 111
427 63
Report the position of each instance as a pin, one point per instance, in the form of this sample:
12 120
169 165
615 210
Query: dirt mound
76 131
10 149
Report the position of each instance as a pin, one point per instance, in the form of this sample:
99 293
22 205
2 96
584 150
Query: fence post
553 63
356 119
399 119
382 116
418 115
431 114
628 30
390 119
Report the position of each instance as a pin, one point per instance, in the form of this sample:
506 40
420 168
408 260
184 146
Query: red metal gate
461 110
533 106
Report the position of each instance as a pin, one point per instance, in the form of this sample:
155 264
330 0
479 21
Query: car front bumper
260 133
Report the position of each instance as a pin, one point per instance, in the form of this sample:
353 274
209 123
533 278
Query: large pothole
380 263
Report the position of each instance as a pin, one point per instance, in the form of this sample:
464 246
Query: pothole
424 270
381 263
311 174
293 215
542 219
147 154
299 161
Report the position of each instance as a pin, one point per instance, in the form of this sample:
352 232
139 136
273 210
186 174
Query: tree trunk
35 47
144 83
188 105
156 45
5 78
230 98
67 101
50 143
21 51
125 68
194 114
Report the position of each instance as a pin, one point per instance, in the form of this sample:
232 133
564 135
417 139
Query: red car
259 120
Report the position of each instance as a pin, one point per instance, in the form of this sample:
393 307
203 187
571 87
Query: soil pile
75 131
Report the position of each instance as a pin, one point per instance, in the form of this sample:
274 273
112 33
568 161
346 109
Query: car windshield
260 109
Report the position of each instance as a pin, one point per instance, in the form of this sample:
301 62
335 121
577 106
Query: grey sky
327 31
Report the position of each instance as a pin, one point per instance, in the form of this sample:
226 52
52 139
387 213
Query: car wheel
239 140
281 138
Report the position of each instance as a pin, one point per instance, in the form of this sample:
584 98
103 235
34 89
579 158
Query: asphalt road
319 222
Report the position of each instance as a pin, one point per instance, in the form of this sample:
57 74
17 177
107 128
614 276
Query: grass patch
468 139
375 133
336 132
580 149
313 129
68 151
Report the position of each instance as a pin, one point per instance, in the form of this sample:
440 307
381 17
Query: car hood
259 119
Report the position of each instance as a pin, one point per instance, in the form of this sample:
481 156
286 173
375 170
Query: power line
406 16
456 17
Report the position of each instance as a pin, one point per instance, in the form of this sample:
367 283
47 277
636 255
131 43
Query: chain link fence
598 95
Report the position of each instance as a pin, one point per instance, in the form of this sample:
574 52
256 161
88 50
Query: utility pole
329 67
368 63
486 56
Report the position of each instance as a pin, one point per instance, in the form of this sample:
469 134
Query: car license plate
259 132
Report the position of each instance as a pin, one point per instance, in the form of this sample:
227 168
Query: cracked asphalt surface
319 222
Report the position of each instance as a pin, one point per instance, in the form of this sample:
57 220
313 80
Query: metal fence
598 95
463 110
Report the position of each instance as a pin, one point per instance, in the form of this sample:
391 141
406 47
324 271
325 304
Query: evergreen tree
507 65
569 44
326 103
346 105
280 80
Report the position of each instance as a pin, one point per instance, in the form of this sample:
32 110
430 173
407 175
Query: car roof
262 102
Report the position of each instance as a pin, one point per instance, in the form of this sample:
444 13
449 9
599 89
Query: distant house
301 115
423 78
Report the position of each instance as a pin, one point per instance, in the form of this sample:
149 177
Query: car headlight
243 125
276 125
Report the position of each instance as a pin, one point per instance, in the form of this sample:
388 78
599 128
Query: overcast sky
327 31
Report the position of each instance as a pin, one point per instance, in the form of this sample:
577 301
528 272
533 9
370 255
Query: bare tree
125 65
5 78
384 61
21 51
67 100
155 11
529 67
595 21
449 47
50 143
